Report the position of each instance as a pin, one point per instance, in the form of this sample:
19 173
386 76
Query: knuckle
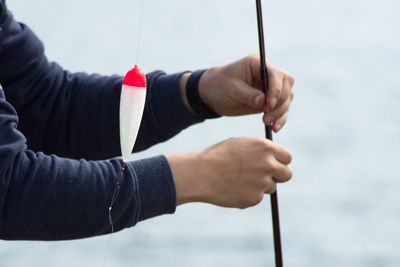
268 182
257 198
251 200
270 165
253 56
271 188
284 177
290 78
275 70
265 144
260 143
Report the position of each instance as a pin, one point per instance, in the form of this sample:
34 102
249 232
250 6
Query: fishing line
113 199
139 31
123 162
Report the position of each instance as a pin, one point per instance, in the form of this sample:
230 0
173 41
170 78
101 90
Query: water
341 209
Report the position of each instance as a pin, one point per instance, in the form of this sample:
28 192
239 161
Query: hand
235 89
234 173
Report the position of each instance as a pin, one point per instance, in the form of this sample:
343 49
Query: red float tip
135 77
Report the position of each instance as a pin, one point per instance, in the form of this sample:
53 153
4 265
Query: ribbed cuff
156 187
197 104
167 104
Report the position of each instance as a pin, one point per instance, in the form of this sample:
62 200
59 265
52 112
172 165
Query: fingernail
273 102
258 101
277 127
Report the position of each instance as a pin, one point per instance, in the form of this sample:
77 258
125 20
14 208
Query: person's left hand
235 89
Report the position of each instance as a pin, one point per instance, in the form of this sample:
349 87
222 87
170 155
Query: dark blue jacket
56 126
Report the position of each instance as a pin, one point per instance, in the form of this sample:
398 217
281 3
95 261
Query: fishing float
133 98
131 107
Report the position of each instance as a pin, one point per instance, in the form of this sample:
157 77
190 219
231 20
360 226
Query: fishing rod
268 135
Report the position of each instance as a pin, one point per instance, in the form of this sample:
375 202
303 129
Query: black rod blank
268 135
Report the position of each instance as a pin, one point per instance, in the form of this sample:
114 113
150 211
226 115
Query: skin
239 171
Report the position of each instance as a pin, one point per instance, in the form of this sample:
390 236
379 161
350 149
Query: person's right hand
234 173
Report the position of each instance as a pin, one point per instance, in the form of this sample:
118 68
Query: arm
50 198
77 115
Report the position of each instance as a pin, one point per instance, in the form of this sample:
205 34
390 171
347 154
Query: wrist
189 176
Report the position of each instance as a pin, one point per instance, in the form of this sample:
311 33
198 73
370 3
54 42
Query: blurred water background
343 206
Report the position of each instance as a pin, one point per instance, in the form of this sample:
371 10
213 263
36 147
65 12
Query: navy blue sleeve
75 114
45 197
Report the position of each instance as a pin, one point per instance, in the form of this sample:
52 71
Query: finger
275 86
281 154
287 93
275 78
289 79
245 94
270 185
282 173
278 125
284 87
273 117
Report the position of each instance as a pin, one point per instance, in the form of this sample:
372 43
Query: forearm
77 115
50 198
190 184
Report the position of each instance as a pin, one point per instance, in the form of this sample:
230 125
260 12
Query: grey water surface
342 207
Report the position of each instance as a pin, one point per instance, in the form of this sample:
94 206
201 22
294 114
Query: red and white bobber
133 97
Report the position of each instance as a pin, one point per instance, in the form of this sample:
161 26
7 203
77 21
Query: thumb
247 95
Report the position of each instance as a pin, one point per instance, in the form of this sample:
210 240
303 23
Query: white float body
131 108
